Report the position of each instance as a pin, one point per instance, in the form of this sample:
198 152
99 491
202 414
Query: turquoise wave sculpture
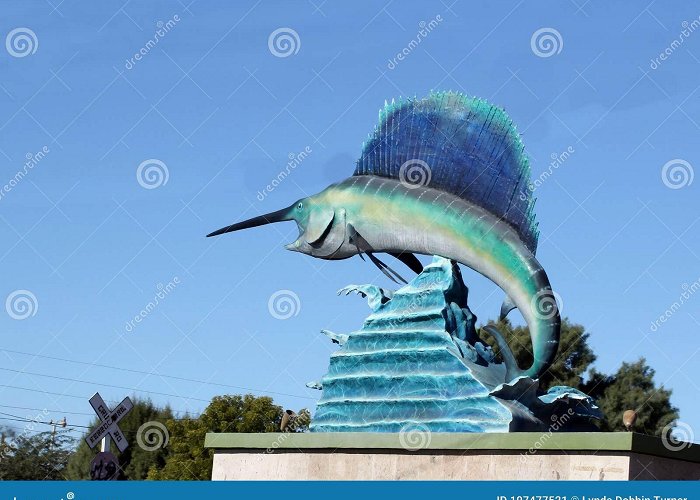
418 361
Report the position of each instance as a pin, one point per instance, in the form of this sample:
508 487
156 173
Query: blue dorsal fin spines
473 149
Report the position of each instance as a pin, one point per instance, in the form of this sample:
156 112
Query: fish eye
300 206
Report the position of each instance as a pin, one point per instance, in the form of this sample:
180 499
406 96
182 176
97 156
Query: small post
53 424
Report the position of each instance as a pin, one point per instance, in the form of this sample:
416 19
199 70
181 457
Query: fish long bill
260 220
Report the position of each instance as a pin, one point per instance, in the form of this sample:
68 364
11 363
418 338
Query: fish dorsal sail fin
471 148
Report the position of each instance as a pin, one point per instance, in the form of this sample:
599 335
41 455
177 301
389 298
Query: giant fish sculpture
444 175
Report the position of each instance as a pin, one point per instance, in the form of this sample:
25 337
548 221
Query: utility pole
60 423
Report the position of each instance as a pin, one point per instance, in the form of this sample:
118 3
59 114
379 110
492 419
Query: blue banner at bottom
471 490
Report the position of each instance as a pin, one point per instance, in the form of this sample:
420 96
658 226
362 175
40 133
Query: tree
41 456
188 459
632 387
136 460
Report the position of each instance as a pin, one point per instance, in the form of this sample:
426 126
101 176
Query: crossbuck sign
108 422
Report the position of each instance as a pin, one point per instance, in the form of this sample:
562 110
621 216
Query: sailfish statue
443 175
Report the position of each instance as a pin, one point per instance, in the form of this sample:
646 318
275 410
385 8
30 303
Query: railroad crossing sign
108 422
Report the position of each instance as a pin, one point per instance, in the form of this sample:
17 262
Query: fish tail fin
545 344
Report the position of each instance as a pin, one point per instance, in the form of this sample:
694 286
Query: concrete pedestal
450 456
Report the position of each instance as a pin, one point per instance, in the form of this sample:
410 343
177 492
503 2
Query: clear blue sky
222 113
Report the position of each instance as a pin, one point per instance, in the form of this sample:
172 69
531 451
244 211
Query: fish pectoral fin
363 246
410 260
507 306
355 238
389 272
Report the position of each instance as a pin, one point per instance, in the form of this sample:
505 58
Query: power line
39 422
25 419
134 389
24 430
34 431
46 409
69 427
143 372
17 418
70 395
43 392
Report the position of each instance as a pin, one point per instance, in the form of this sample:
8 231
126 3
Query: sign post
105 466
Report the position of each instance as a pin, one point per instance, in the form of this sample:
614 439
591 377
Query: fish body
393 217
